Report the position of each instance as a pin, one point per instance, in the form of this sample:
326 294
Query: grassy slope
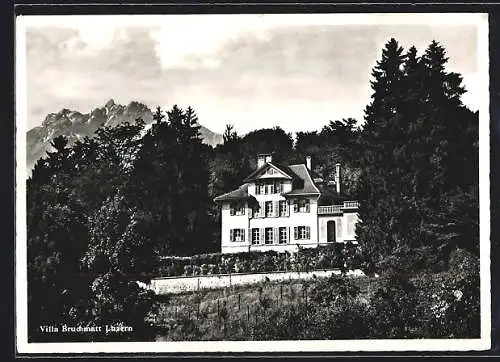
179 318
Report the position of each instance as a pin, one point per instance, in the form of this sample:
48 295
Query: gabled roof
302 182
283 169
307 186
240 193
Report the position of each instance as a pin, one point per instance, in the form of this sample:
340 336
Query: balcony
351 205
330 209
337 209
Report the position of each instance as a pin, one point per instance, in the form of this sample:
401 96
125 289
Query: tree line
101 212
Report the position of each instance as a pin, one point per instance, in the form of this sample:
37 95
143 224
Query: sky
253 71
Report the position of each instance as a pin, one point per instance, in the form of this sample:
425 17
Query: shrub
463 263
188 269
306 259
449 302
392 308
196 270
254 266
346 320
204 269
326 291
211 269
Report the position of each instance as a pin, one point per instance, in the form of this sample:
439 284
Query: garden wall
192 283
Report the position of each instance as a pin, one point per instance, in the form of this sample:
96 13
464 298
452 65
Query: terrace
338 209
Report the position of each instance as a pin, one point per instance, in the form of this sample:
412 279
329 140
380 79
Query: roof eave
233 198
301 193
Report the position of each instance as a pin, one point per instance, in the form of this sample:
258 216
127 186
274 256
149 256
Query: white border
482 343
444 19
484 181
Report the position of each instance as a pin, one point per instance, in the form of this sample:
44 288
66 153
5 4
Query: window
237 209
283 236
302 232
259 188
237 235
301 205
269 208
269 235
255 236
268 188
279 187
283 208
271 188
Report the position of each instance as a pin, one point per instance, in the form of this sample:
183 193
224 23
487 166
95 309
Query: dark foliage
419 165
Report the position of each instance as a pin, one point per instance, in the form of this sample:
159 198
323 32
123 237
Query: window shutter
308 232
276 207
244 208
242 234
262 236
250 212
287 204
307 206
261 208
296 233
295 205
288 235
232 211
276 236
250 235
231 235
257 189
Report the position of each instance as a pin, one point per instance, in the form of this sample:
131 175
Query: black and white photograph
252 183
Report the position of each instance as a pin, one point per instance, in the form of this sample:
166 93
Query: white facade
268 214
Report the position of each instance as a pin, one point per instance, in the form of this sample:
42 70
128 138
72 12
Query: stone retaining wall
192 283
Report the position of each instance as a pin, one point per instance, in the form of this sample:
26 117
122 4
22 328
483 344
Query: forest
102 211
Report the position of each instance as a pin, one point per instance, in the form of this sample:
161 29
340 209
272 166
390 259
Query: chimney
337 177
308 162
263 158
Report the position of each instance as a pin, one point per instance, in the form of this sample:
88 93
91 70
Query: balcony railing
330 209
337 209
351 204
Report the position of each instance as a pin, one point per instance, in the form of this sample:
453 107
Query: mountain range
75 125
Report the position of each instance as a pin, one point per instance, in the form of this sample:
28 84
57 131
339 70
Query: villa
281 207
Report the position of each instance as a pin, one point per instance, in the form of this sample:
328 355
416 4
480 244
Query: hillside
76 125
338 307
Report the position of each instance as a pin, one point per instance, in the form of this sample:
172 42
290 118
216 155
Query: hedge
333 256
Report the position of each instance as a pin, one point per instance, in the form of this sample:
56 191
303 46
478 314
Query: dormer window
279 187
237 209
268 187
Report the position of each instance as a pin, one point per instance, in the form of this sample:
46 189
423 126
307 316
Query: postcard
252 183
